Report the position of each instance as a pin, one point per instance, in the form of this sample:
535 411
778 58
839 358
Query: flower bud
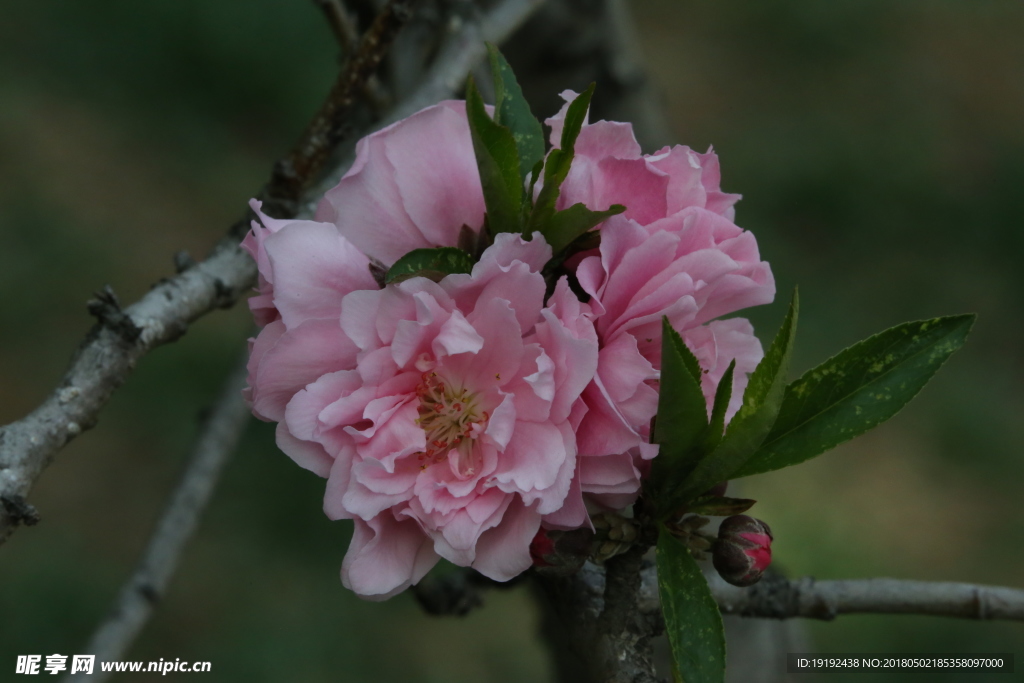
743 550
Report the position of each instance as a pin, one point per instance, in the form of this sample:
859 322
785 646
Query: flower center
451 417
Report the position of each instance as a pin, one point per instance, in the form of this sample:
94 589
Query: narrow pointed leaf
720 506
693 623
512 110
856 390
682 417
556 166
565 226
716 425
431 263
498 163
761 404
575 117
528 195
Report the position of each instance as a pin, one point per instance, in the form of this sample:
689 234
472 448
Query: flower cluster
457 414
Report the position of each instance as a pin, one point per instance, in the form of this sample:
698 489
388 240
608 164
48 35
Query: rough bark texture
595 625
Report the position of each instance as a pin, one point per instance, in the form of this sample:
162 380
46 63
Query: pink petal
632 183
314 267
306 454
573 513
531 461
609 474
436 173
608 139
300 356
386 556
503 552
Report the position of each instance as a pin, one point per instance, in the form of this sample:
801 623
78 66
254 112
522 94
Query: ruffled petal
386 556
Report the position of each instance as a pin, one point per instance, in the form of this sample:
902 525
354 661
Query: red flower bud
743 550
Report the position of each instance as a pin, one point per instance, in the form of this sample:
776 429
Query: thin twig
778 598
344 27
147 585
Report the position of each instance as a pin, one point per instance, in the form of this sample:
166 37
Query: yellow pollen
447 415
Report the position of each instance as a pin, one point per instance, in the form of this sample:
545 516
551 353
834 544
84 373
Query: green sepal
719 506
856 390
430 263
762 401
512 110
567 225
693 622
498 162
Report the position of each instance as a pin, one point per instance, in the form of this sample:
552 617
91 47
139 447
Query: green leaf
498 162
556 167
716 425
720 506
430 263
511 109
565 226
761 404
692 620
682 418
857 389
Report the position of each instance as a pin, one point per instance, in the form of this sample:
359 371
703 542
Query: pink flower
675 252
443 414
453 418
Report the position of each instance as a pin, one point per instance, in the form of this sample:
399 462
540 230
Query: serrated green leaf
856 390
430 263
693 623
682 418
556 166
719 506
498 162
565 226
511 109
723 394
761 404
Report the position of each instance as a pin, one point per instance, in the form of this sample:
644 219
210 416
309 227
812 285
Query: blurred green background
880 150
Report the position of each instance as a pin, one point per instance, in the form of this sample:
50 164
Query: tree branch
778 598
134 604
107 356
598 630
